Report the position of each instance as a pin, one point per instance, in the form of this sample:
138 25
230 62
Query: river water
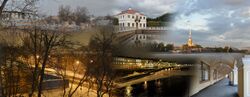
177 86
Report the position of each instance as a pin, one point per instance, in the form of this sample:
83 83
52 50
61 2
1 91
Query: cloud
214 21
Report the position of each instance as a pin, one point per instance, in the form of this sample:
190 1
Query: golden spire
190 42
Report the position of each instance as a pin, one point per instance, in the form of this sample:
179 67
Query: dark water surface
177 86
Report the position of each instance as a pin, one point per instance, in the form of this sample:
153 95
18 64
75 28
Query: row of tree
23 65
161 21
78 15
27 52
159 47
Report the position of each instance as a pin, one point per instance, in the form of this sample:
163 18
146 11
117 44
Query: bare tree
50 39
81 15
22 6
40 41
3 4
70 69
99 60
65 13
13 71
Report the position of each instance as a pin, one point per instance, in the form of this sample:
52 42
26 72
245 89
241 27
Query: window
205 76
123 24
144 25
144 18
140 25
133 24
128 24
128 16
133 17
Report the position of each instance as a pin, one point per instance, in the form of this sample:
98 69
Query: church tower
190 41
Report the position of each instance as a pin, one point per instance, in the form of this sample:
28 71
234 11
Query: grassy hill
162 20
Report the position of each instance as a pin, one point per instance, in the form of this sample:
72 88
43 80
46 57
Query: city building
132 19
17 18
133 30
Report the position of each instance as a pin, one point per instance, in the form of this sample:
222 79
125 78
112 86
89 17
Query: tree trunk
2 7
42 71
35 72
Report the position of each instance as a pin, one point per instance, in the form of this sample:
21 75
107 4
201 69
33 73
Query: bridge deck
155 76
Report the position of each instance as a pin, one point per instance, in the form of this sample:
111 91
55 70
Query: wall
240 83
197 85
244 77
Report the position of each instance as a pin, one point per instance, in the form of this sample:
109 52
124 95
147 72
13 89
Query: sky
212 22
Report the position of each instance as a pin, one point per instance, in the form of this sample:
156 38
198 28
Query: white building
132 19
133 29
18 16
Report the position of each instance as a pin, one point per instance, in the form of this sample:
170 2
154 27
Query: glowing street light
91 61
77 62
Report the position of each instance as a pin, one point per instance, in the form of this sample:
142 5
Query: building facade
132 19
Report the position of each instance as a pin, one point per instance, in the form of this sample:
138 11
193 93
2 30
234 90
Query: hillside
162 20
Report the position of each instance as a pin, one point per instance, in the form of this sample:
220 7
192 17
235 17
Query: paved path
220 89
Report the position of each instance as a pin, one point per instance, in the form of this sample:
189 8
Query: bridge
208 69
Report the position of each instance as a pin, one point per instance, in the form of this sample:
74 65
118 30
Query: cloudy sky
213 22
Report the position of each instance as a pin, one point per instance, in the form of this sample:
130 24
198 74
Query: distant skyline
213 22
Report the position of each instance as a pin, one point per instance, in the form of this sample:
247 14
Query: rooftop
130 11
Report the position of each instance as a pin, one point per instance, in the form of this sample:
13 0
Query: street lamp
91 61
77 62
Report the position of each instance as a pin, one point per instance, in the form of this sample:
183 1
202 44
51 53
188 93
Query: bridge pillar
244 77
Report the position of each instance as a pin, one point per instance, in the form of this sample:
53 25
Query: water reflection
166 87
128 91
145 85
158 83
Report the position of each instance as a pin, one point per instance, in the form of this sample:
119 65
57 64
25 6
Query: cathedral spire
190 41
190 33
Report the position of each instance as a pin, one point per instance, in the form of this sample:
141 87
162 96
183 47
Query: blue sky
213 22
